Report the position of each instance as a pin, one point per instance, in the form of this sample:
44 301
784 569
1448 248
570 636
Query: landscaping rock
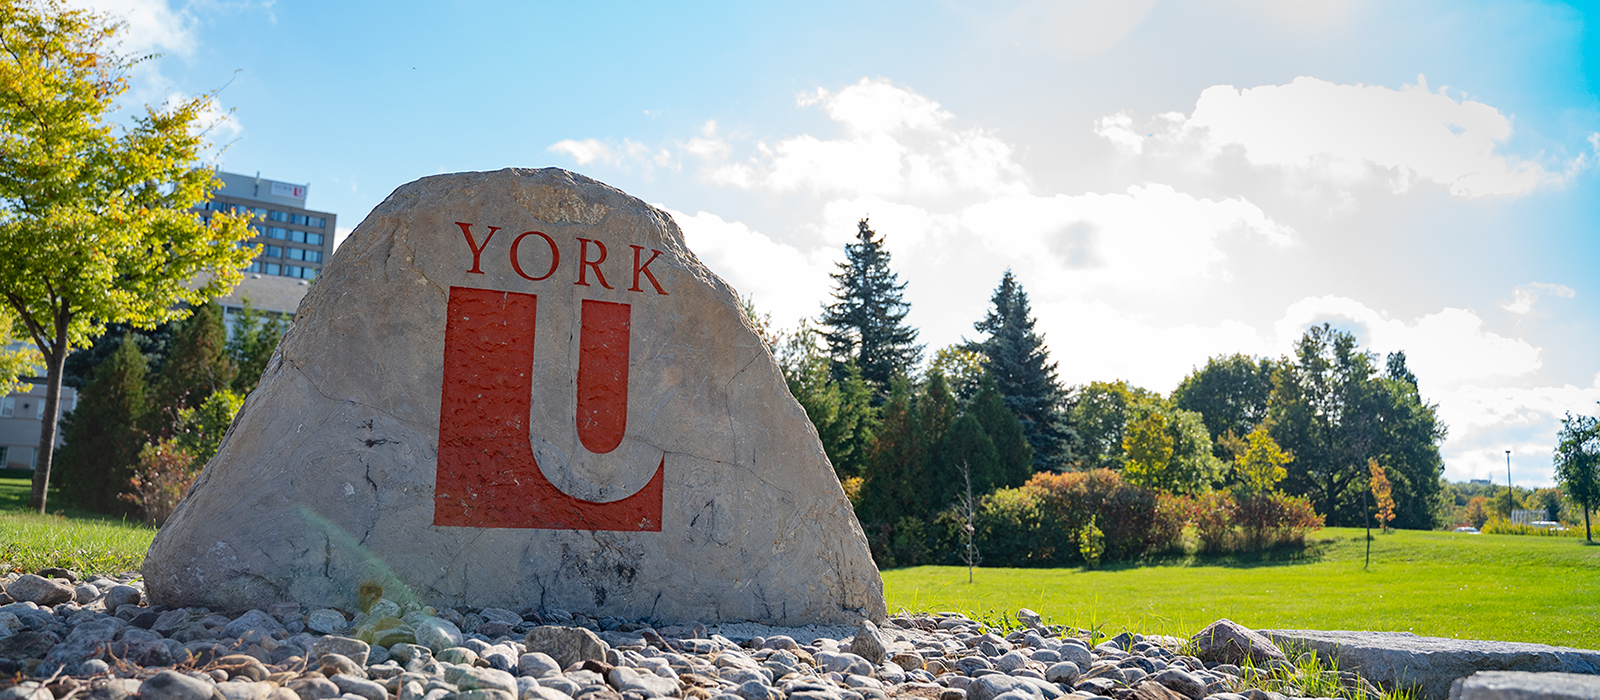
171 685
32 588
1226 641
695 488
566 645
868 642
1521 685
1432 664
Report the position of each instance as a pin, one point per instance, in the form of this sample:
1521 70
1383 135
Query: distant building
1484 482
295 241
21 417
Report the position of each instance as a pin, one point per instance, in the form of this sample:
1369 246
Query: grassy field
69 539
1500 587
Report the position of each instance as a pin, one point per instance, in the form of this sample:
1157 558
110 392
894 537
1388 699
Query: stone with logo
520 389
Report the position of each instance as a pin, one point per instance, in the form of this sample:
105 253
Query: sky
1169 181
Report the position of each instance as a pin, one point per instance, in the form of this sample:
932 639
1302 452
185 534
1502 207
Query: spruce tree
897 465
103 434
867 319
1024 374
1014 454
255 337
197 366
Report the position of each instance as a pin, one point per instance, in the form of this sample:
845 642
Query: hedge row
1072 518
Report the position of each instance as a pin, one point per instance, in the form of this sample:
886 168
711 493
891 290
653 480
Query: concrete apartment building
295 243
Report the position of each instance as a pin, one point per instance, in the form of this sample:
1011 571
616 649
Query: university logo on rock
488 475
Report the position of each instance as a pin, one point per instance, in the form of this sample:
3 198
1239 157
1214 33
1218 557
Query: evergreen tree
197 366
866 321
897 465
1025 376
255 338
1395 368
103 434
963 445
1014 453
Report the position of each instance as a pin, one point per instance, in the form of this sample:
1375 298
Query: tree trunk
55 362
1587 533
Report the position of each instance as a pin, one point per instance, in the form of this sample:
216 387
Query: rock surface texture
512 389
1432 664
1521 685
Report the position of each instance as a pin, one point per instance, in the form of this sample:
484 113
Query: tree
1382 492
1014 454
841 410
1099 412
197 366
1478 511
14 364
1147 448
255 337
104 434
1231 392
95 220
1260 466
1026 377
1577 461
867 319
1333 413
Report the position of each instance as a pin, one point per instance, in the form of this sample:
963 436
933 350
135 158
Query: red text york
536 256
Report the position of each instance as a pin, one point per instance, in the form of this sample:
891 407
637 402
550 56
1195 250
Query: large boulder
1522 685
1432 664
521 389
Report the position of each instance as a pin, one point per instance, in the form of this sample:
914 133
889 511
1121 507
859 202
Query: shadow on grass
1315 549
16 488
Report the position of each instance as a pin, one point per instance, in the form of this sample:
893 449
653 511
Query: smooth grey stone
351 685
326 621
32 588
1400 659
471 677
245 690
1181 682
1062 672
171 685
354 649
625 679
1521 685
869 642
991 686
537 664
437 634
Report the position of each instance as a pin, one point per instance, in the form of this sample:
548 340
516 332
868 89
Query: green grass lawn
1499 587
69 539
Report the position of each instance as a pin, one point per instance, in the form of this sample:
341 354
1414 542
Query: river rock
1229 642
617 440
32 588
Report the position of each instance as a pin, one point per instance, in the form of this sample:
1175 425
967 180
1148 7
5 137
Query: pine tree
197 366
255 337
1014 453
103 434
866 321
897 465
1025 376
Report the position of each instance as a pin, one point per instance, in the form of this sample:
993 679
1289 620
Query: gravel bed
61 638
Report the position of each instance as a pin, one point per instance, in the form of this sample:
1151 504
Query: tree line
1326 424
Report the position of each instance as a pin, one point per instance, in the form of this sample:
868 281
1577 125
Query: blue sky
1169 180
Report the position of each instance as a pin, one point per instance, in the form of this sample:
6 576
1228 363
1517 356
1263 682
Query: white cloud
622 155
1484 422
895 143
1524 296
782 280
1444 349
1352 133
151 26
1152 235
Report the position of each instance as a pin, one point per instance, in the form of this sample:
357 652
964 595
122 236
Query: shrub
1008 528
160 479
1268 519
1213 517
1091 543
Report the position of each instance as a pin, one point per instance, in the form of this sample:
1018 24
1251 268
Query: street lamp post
1509 501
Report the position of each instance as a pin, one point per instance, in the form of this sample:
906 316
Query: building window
259 211
296 254
316 222
313 256
277 216
297 236
277 232
253 267
297 219
275 251
314 238
311 273
271 268
8 407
